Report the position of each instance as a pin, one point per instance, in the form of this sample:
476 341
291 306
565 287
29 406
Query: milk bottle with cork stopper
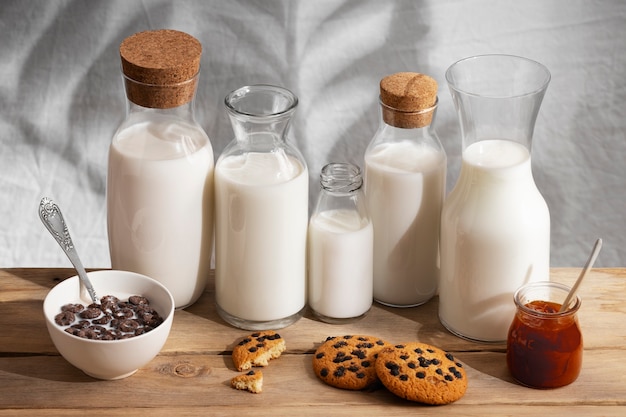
160 170
261 191
405 173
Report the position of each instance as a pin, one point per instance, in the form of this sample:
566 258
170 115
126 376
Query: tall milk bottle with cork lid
495 230
405 175
160 173
262 192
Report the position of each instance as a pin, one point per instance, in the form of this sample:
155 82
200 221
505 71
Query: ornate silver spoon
51 216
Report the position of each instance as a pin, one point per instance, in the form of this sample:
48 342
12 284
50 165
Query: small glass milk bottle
405 175
262 193
160 169
341 247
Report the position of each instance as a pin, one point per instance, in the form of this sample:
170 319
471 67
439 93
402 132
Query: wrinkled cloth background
61 97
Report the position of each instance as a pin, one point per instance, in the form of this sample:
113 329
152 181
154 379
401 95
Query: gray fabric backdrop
61 97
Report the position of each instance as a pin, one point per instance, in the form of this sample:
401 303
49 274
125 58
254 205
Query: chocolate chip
404 377
340 371
394 369
320 355
420 375
359 354
324 372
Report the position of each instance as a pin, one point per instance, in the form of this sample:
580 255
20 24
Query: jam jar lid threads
160 67
408 99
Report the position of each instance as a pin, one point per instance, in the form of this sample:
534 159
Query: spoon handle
592 259
51 216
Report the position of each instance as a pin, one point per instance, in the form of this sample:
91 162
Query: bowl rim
167 317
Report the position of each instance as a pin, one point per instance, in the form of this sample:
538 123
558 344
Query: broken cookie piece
257 349
251 381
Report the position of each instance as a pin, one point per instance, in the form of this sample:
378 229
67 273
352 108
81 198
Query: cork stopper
160 67
408 99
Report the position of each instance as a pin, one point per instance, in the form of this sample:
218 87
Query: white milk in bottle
495 238
495 224
341 244
261 186
160 169
405 171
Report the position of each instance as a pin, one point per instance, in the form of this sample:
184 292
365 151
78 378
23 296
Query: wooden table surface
192 373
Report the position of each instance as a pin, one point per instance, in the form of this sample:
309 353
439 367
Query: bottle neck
408 120
184 111
341 178
168 100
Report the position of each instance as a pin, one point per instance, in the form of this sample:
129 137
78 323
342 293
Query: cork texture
408 99
160 67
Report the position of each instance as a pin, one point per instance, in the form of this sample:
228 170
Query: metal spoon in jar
586 268
51 216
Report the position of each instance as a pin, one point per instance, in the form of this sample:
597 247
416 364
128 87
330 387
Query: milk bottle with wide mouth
160 171
405 174
261 186
495 226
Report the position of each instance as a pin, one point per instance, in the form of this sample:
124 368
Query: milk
160 204
261 233
404 187
495 237
340 264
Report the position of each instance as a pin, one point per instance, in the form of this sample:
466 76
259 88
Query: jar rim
288 103
486 68
575 303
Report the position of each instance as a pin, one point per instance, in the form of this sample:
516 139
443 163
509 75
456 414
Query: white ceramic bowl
110 359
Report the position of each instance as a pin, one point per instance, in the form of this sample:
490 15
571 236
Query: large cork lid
160 67
408 99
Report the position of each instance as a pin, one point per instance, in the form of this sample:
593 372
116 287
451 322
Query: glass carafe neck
260 115
497 97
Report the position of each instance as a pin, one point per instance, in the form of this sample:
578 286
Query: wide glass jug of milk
261 192
495 226
160 169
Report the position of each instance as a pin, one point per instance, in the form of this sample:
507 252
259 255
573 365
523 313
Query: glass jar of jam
544 346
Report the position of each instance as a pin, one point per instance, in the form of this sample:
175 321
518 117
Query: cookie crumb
251 381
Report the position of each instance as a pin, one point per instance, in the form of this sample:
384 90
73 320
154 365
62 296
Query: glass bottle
495 233
261 186
405 175
160 169
340 247
544 345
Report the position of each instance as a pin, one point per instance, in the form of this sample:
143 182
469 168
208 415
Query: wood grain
191 375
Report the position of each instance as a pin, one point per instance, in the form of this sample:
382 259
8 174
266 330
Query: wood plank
325 410
191 375
203 381
199 329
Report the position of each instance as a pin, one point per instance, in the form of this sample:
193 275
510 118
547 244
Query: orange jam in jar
544 346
